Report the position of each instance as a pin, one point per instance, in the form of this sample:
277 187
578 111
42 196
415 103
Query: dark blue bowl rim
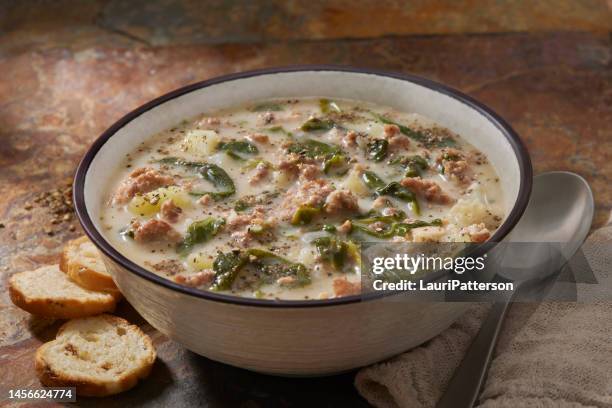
522 155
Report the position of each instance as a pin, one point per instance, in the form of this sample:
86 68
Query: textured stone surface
64 80
78 24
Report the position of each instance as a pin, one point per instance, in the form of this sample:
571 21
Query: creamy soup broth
273 198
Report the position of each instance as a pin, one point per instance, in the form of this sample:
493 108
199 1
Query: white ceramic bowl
304 338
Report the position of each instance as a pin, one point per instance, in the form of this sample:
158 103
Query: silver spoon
560 210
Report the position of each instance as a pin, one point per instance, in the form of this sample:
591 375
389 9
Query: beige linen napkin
548 355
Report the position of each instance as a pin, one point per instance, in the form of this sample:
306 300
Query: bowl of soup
231 212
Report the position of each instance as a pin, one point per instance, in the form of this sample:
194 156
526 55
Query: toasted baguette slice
49 292
101 355
82 262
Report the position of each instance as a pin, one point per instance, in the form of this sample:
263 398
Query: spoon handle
463 388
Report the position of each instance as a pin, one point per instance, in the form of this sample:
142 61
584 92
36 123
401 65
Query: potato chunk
354 184
150 203
468 211
201 142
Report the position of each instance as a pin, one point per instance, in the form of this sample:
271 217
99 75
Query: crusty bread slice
82 262
101 355
49 292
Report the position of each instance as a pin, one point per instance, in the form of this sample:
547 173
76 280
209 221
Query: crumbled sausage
396 140
450 153
140 181
455 165
380 202
258 230
205 200
397 143
195 280
236 221
310 193
391 130
170 211
458 170
342 287
345 228
289 164
313 193
261 172
254 225
286 280
340 202
155 231
476 232
258 138
428 189
294 164
309 171
350 139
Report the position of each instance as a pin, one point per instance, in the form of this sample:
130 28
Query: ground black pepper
58 202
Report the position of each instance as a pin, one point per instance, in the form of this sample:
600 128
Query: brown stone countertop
58 95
